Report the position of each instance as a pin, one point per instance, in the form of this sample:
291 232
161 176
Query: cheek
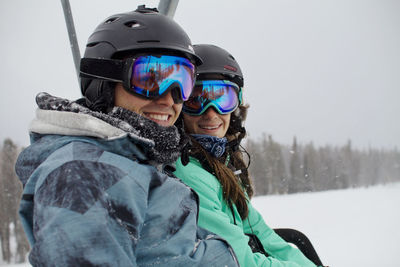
178 108
190 123
226 120
128 101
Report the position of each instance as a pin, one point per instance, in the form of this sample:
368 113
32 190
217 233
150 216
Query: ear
99 94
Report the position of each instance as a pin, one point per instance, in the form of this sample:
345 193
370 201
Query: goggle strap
107 69
240 96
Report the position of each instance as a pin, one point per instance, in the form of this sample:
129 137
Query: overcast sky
321 70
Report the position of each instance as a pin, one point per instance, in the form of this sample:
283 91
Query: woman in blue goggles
222 95
214 167
209 107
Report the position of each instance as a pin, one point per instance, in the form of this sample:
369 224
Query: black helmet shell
218 61
139 30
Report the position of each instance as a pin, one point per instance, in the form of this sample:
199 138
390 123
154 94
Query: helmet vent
92 44
111 20
133 24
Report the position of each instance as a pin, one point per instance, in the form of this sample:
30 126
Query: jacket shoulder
195 176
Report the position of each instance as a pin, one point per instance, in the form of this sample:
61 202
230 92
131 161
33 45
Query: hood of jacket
60 121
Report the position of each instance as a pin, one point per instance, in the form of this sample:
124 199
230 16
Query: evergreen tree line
286 169
14 245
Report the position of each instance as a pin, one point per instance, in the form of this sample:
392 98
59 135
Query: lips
160 119
209 127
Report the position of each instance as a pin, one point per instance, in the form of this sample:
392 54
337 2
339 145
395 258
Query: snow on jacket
92 198
216 216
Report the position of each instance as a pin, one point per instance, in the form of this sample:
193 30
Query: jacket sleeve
77 223
273 244
214 218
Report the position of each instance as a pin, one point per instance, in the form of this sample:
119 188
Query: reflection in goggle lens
220 94
152 76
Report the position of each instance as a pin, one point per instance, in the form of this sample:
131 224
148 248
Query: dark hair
234 187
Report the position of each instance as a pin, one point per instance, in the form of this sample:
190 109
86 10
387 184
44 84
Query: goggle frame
116 70
213 102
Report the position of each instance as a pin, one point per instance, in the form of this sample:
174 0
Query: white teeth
158 117
210 127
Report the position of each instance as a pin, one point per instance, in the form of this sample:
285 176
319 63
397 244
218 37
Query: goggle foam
148 76
223 95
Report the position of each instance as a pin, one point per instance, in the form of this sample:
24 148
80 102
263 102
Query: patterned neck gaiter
212 144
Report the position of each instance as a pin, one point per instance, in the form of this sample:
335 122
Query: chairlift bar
72 34
168 7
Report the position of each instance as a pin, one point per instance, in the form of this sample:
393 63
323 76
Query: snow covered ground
349 228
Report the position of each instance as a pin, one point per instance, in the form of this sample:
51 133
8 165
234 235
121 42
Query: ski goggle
148 76
224 96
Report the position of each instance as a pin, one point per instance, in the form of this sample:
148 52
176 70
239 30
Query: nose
210 113
166 100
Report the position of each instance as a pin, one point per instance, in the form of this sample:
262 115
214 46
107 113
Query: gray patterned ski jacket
93 197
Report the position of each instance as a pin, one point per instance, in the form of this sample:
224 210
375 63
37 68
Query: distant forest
275 169
11 231
287 169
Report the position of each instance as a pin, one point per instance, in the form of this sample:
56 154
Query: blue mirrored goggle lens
152 76
222 95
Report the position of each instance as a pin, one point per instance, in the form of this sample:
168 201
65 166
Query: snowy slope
349 228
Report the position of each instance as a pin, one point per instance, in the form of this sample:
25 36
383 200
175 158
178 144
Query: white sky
322 70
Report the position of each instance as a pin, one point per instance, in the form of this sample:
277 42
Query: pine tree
4 205
277 171
325 170
266 151
257 168
11 190
310 168
296 182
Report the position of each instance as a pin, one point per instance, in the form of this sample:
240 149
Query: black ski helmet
125 34
218 61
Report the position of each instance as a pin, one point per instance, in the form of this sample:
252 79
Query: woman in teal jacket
215 169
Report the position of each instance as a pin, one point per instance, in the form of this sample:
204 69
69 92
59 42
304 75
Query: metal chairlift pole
72 35
168 7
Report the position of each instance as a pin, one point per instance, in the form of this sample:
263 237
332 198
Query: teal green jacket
216 216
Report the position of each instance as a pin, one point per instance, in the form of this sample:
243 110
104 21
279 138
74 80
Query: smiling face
209 123
162 110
